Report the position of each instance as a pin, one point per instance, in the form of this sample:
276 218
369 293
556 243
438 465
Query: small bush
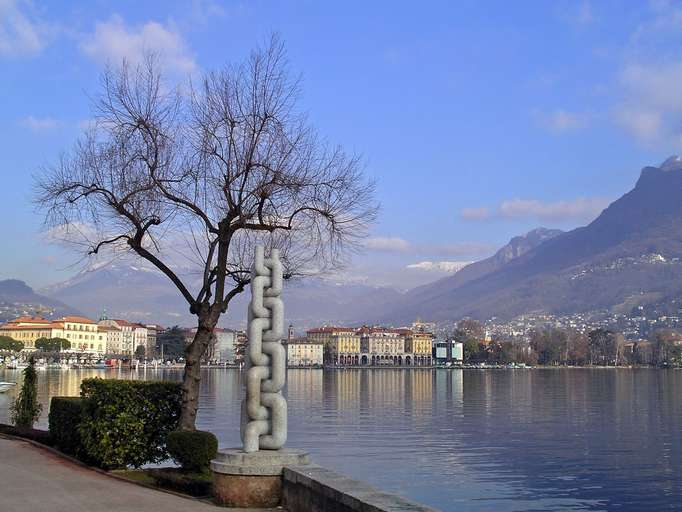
26 410
126 422
64 422
193 450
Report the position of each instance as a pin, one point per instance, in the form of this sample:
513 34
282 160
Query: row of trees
41 344
8 344
555 346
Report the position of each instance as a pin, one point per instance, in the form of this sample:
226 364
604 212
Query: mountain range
628 256
17 298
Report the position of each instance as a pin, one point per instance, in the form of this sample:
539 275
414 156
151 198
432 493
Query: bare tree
212 170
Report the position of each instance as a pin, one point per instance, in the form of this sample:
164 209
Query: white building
223 346
131 335
114 339
304 353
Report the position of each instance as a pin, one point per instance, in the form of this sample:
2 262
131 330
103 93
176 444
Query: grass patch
195 484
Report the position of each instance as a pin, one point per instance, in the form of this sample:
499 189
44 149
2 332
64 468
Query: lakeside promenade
37 480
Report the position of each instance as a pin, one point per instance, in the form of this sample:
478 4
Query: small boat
6 386
16 365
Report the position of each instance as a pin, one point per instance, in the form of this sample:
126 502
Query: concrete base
252 480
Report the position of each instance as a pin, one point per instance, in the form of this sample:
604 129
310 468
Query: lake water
467 440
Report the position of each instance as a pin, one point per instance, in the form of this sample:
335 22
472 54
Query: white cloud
560 120
579 15
482 213
652 107
439 266
204 11
578 209
21 32
391 244
585 14
649 104
113 41
39 124
646 125
451 250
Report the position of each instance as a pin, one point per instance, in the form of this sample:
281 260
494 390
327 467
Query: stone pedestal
252 480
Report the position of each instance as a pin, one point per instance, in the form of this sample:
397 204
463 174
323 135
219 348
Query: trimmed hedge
126 422
64 422
193 450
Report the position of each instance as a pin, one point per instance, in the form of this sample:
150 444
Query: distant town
643 336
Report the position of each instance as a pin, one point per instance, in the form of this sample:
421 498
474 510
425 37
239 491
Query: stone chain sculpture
264 410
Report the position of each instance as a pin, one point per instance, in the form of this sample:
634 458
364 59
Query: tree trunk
192 376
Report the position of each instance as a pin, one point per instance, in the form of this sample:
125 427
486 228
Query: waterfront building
341 345
27 329
304 353
240 342
140 338
113 337
223 345
373 346
419 348
382 347
82 333
129 336
448 351
152 331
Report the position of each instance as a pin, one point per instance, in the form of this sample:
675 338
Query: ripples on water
519 440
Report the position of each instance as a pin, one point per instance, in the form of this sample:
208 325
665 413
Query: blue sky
478 120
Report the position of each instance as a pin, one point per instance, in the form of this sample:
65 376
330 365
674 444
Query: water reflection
467 440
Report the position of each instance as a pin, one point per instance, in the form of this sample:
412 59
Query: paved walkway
36 480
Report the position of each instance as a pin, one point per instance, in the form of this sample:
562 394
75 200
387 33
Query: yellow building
81 332
420 346
27 329
419 343
341 345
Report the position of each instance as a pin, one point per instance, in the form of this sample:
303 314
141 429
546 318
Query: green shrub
26 409
64 422
193 450
126 422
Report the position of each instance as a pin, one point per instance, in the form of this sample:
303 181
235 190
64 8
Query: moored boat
6 386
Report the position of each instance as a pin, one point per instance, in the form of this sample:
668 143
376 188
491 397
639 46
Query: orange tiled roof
123 322
14 327
76 320
331 329
30 319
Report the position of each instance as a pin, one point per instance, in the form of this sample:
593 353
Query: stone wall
316 489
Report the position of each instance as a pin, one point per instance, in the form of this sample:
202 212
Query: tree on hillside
472 328
605 347
7 343
192 180
52 344
173 342
551 345
668 347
